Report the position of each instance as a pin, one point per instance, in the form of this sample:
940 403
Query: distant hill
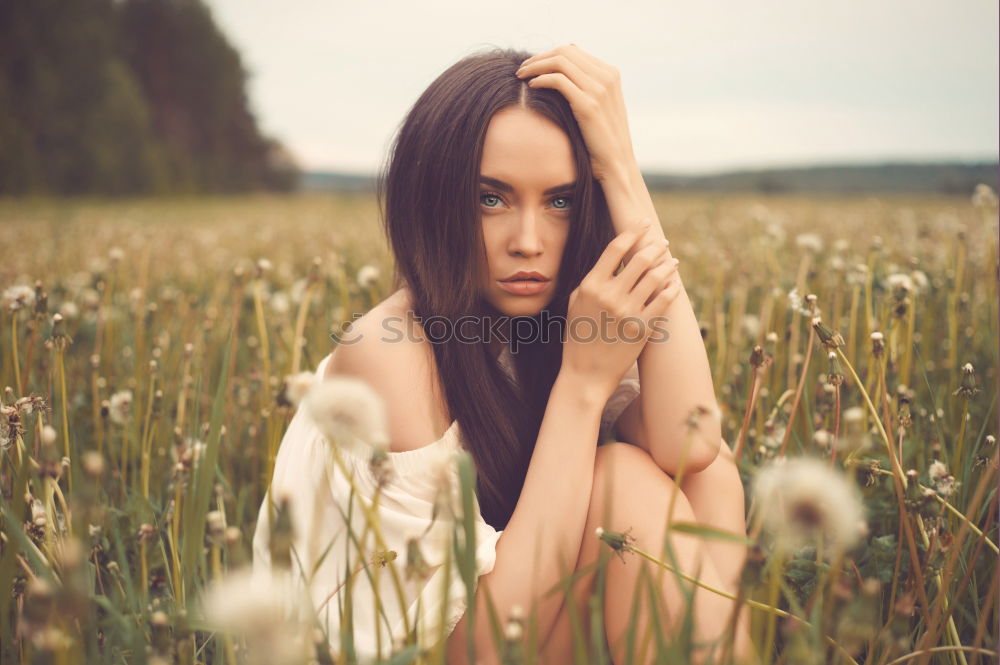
891 177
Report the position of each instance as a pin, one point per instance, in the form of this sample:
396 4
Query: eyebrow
501 185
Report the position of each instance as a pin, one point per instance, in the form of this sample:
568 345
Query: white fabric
319 493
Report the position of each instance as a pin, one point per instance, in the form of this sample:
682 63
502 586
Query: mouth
520 276
528 286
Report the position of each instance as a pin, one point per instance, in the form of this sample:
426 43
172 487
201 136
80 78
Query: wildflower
983 197
116 254
69 310
262 266
380 466
382 558
347 411
617 541
878 343
858 274
836 374
757 357
830 338
18 297
120 406
271 610
416 565
279 302
750 325
810 242
795 302
93 463
943 481
968 386
294 388
776 232
48 435
919 280
802 499
823 438
367 276
215 520
447 497
899 282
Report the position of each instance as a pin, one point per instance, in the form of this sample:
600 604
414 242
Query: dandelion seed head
983 197
270 609
367 276
18 297
810 242
900 281
120 406
347 411
802 499
297 386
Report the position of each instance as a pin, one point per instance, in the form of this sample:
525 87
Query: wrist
587 393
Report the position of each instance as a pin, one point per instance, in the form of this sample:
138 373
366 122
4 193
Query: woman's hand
593 89
610 316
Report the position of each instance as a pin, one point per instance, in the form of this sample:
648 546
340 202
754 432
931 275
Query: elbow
703 450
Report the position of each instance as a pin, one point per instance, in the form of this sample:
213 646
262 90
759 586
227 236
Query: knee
623 470
725 452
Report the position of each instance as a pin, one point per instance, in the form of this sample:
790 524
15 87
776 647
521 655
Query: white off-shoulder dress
319 496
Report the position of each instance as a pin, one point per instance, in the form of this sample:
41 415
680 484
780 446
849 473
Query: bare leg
716 497
632 493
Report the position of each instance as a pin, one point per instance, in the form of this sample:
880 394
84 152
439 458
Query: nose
525 240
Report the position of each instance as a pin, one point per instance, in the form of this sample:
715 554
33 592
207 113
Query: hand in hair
593 89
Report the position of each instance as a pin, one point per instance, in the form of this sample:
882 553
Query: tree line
127 97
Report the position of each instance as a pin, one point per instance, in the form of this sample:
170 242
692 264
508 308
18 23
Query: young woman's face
527 176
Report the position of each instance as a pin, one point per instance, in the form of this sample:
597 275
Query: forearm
541 541
675 375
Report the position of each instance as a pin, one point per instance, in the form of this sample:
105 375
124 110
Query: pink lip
522 274
523 287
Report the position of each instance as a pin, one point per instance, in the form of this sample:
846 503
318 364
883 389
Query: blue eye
564 198
492 195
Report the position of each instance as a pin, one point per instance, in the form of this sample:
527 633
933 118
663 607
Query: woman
509 164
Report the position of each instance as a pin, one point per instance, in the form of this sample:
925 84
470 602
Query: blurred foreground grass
140 425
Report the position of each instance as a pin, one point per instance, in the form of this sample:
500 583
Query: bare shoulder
386 349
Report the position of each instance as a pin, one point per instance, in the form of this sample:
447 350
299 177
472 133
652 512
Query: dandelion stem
751 400
771 609
798 391
65 409
370 518
16 356
899 482
955 511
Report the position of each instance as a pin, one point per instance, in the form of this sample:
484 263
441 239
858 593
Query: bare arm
541 541
675 374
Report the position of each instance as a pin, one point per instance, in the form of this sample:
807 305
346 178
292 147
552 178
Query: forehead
524 147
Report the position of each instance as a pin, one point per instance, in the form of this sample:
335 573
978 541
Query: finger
561 63
611 257
578 100
644 259
654 280
577 55
662 300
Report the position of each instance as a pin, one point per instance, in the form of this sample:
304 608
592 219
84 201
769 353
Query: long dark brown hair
428 193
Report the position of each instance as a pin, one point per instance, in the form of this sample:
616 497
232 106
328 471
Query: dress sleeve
627 390
329 525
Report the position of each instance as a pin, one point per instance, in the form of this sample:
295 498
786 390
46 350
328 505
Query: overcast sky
708 85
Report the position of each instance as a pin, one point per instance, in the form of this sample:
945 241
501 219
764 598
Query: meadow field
144 347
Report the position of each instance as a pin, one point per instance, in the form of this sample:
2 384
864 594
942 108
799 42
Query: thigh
614 462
